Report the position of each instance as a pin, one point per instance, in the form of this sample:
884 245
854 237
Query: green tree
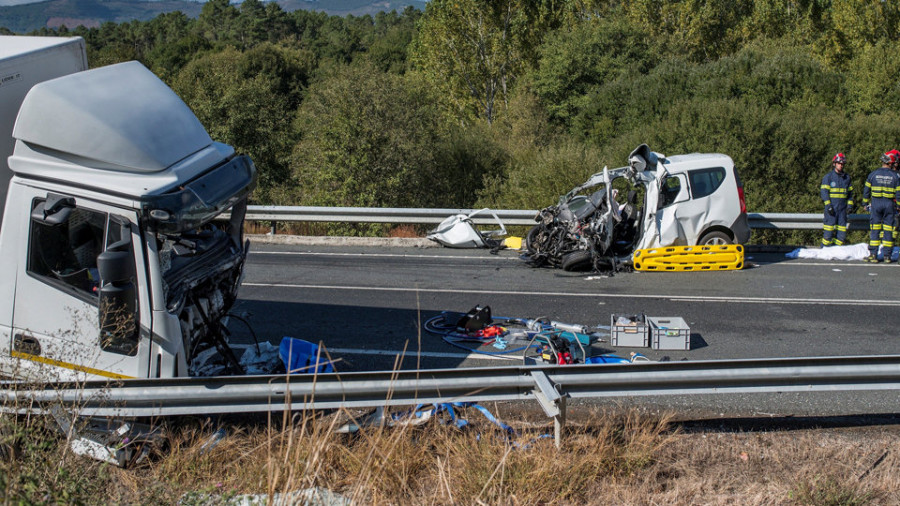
574 61
872 82
701 30
391 39
536 178
804 21
251 23
474 50
371 138
248 100
861 23
175 43
360 147
218 21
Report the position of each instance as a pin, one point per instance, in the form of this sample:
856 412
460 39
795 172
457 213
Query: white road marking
787 262
429 354
688 298
384 255
820 264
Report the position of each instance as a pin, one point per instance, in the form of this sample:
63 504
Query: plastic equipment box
629 335
669 333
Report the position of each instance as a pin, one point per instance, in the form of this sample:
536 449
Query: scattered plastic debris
213 441
115 442
316 496
458 231
261 359
257 358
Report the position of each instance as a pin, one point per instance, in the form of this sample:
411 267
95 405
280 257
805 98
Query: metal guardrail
770 221
549 385
797 221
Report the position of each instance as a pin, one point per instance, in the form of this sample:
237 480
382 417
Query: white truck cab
114 262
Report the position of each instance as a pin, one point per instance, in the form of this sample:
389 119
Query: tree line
509 103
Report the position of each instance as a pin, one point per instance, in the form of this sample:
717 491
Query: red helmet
888 158
839 158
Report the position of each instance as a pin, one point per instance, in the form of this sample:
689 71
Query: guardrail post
559 422
274 225
553 402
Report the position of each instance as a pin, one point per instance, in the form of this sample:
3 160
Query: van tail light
741 198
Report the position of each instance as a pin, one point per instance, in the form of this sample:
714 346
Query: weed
829 491
612 456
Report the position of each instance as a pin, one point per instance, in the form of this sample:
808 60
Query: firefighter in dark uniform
895 252
880 197
837 194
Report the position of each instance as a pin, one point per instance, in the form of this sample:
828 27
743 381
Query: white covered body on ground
849 252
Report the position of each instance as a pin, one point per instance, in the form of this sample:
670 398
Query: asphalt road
367 304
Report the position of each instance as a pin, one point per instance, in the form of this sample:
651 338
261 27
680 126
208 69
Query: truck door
56 314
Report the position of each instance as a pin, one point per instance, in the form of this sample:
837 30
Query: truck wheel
577 261
715 238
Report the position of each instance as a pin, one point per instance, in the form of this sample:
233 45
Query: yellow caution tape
513 242
728 257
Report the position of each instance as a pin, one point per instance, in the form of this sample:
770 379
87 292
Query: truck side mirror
116 264
118 299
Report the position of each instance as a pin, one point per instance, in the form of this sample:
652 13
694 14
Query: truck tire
715 238
580 260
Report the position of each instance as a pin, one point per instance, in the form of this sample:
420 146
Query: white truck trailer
24 62
114 259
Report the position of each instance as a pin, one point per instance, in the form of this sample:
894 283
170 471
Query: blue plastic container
299 357
606 359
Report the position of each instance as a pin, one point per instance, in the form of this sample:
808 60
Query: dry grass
405 231
607 458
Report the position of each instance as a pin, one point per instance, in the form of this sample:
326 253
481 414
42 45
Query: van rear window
705 181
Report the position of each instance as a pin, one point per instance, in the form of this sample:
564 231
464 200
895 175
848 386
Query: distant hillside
355 7
91 13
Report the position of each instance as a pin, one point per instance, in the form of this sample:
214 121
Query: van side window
705 181
66 253
671 187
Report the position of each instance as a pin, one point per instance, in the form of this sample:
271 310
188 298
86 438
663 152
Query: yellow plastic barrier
727 257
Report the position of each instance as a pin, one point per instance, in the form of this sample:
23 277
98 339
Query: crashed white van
699 200
687 200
